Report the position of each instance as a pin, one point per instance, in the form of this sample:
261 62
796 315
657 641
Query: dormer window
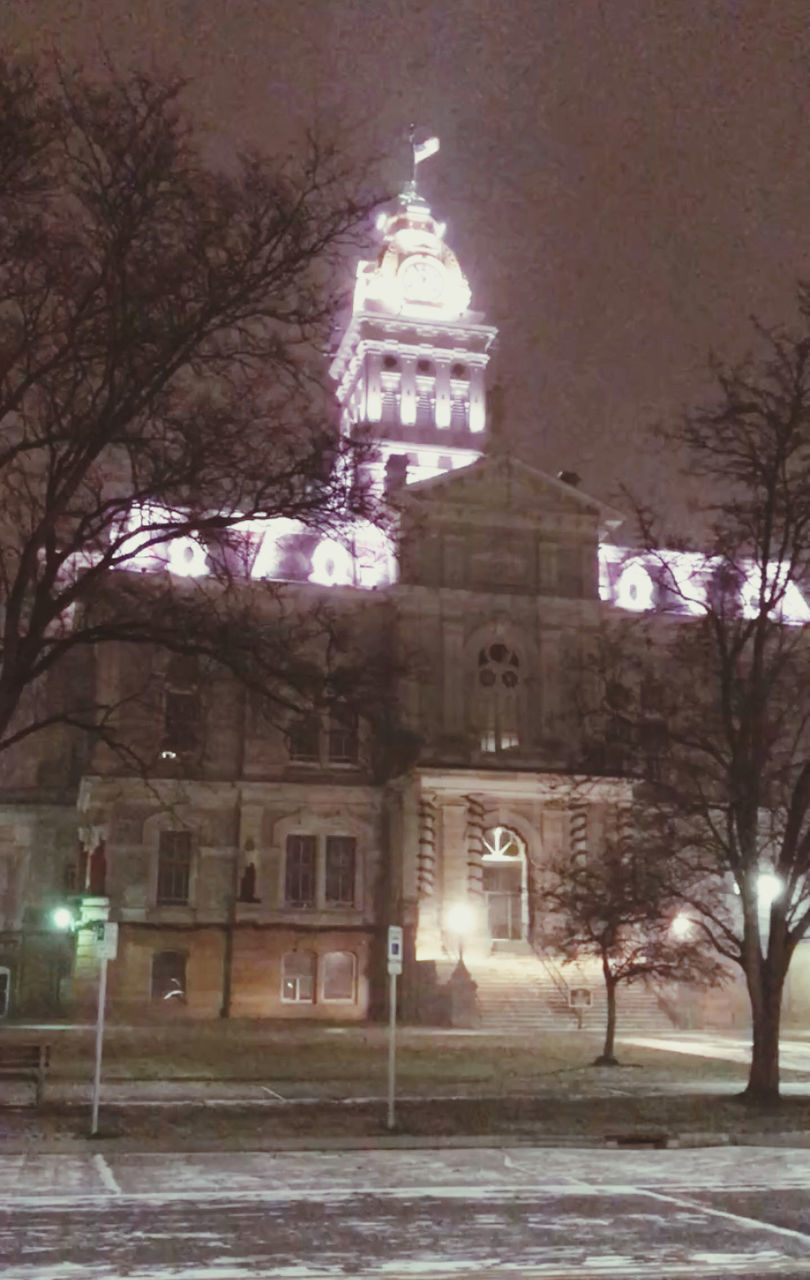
342 737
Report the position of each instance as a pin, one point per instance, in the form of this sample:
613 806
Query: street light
460 920
63 918
769 887
681 925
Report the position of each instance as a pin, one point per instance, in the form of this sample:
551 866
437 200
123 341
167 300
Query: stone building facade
255 871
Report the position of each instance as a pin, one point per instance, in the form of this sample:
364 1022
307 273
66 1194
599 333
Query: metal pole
392 1046
102 1000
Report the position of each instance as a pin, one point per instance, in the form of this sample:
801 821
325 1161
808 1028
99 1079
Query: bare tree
721 675
161 331
617 905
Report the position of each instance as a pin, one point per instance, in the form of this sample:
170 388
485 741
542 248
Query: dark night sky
624 181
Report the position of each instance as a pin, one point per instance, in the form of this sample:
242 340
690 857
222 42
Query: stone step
517 993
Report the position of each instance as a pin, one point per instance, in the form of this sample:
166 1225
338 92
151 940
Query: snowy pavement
794 1055
498 1212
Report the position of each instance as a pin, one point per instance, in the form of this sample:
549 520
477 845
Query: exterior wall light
63 918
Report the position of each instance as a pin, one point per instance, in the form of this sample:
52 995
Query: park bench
25 1060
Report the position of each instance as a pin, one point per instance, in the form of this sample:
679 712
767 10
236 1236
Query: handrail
553 972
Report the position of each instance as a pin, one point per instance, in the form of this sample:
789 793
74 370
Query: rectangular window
299 871
169 976
303 736
337 970
174 867
342 736
340 870
181 720
298 977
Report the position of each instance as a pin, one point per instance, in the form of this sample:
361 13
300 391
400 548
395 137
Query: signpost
106 948
394 969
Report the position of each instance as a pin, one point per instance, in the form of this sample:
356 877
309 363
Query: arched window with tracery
497 697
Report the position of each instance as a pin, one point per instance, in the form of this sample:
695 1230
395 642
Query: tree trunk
231 909
765 990
607 1057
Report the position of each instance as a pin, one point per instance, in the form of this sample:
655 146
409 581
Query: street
454 1212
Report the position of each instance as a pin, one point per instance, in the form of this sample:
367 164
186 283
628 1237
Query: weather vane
421 150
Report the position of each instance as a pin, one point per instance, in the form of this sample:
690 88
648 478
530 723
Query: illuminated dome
416 273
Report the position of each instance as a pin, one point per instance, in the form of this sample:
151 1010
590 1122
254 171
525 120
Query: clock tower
411 364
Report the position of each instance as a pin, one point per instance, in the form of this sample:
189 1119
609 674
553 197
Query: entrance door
5 991
503 889
504 867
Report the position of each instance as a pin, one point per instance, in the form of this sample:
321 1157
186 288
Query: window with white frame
339 870
299 871
298 977
338 975
320 871
174 868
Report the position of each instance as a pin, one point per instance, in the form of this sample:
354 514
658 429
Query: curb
71 1144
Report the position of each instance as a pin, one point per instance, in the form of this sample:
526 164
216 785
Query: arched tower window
497 697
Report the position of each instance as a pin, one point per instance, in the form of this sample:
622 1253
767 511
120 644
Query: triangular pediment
503 485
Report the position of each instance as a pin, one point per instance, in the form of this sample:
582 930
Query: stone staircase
520 993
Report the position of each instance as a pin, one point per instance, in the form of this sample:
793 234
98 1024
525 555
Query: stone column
442 408
578 832
452 832
428 939
477 942
477 393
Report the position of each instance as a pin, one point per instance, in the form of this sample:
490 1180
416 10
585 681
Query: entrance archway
505 885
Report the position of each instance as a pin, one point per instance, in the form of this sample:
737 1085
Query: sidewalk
794 1054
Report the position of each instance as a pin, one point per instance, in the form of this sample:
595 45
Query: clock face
422 280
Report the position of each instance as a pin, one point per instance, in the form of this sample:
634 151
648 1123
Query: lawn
261 1084
313 1060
